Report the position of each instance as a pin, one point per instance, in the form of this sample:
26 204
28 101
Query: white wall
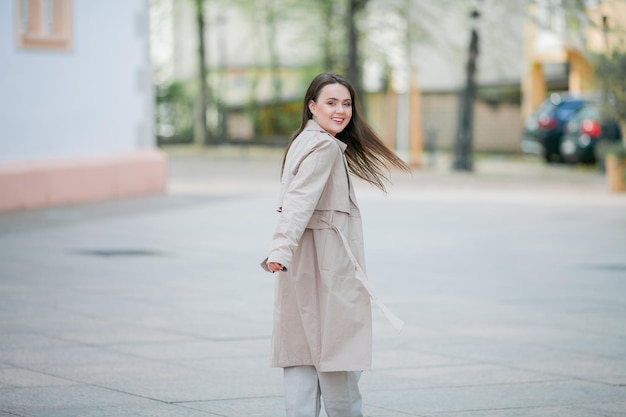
95 99
235 39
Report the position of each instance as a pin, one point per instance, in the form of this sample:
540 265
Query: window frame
44 24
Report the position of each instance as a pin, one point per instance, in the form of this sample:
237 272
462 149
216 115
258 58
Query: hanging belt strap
394 320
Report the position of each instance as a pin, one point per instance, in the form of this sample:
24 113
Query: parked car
585 130
544 128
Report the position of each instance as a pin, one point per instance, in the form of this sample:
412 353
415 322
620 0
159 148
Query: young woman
322 333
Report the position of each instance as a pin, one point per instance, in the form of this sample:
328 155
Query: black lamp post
353 70
605 58
204 90
464 138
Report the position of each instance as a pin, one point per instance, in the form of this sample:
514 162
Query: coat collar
312 125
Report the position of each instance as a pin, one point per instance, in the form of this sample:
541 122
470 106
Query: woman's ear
312 107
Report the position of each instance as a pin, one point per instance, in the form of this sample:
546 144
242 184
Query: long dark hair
368 157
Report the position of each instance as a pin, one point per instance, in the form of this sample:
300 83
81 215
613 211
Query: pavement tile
198 349
612 409
63 357
504 396
510 281
409 358
537 357
16 378
370 411
19 338
28 399
271 406
450 376
540 359
126 374
587 368
149 409
253 378
619 381
530 412
79 328
172 382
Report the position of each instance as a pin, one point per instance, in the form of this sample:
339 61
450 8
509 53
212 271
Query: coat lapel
313 125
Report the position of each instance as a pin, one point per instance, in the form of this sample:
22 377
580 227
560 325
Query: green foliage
610 71
174 113
289 119
611 148
495 95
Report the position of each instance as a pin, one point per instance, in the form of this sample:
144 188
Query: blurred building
77 103
558 55
258 61
414 58
424 49
245 44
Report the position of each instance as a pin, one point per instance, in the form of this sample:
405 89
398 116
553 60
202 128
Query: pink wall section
43 183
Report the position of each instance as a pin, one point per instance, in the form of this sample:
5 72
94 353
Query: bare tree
266 17
465 135
202 72
353 69
328 9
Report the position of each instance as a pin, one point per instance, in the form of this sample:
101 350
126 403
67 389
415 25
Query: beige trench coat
322 314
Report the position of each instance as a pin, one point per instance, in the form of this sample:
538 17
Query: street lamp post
464 138
354 65
205 135
221 23
605 58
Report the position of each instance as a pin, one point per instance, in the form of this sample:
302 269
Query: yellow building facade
548 41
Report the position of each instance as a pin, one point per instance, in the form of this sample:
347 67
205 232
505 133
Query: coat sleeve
301 198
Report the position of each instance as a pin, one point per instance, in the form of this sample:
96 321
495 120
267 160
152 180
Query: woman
322 333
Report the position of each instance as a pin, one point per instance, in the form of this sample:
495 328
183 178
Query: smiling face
333 108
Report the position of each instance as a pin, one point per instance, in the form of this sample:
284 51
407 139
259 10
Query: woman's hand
275 266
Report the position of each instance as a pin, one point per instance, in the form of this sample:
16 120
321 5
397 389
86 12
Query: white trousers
304 386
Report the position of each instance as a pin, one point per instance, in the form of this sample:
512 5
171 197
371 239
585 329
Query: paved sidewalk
511 282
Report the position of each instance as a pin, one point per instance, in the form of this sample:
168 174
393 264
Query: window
550 15
44 24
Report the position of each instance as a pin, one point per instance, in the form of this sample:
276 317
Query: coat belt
322 222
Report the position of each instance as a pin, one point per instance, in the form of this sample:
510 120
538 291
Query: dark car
544 128
585 130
